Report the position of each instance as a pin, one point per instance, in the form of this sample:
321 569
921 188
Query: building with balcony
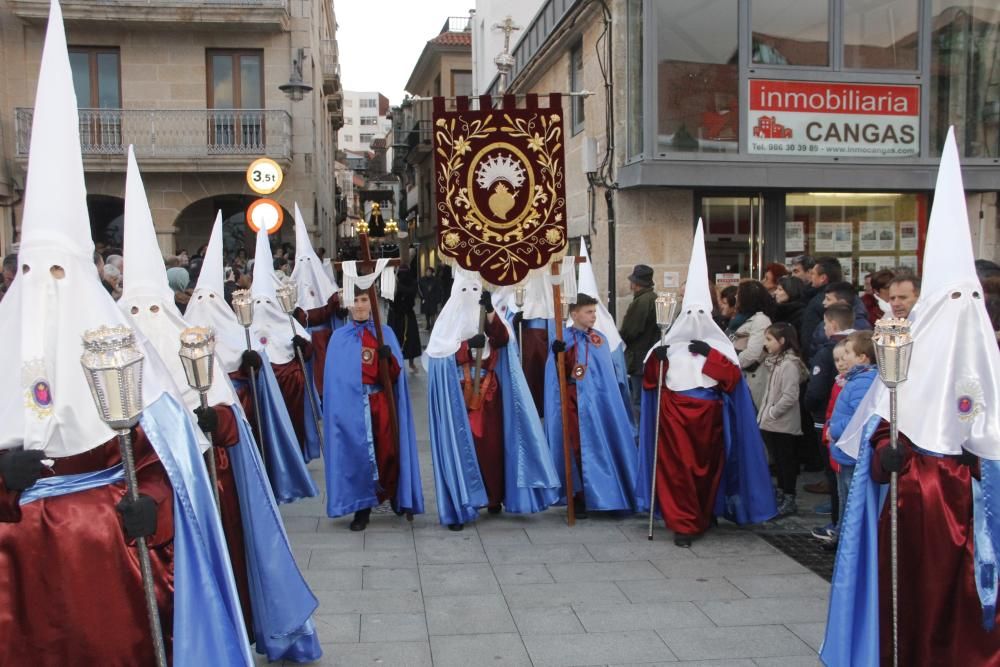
193 85
443 68
769 119
364 120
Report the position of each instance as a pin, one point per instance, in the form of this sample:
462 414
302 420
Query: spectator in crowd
826 270
402 318
231 283
113 278
727 308
178 279
282 267
843 292
183 259
991 286
876 296
789 301
430 296
445 279
828 534
904 290
321 253
171 261
778 415
754 305
802 268
240 260
9 271
985 269
639 330
773 273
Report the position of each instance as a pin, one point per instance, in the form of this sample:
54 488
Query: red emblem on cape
595 339
501 186
42 394
367 354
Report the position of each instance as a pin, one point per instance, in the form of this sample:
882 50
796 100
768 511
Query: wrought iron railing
175 133
329 61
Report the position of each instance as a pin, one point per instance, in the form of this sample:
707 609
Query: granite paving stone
343 579
680 589
650 616
337 627
458 579
367 602
810 633
596 648
468 615
759 641
410 627
524 573
554 595
404 654
724 566
631 570
499 650
518 554
547 621
754 611
391 579
780 585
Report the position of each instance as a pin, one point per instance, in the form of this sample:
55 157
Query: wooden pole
479 358
563 399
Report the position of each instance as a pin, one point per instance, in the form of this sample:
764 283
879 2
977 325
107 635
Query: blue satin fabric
607 445
290 480
281 601
621 373
746 495
208 622
530 481
312 447
349 483
535 323
61 485
457 480
986 523
852 624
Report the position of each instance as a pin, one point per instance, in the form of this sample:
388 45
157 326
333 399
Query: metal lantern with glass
243 307
113 366
197 355
666 309
287 293
893 350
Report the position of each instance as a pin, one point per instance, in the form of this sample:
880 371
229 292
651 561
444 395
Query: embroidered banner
501 188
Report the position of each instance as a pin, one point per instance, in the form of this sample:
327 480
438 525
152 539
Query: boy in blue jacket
859 356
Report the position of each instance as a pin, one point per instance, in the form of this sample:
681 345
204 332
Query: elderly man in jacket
639 330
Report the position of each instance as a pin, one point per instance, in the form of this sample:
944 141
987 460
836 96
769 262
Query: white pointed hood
951 400
147 300
271 326
587 284
314 285
208 307
45 402
695 323
459 318
537 298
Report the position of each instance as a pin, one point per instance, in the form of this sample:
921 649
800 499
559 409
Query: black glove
891 460
385 352
558 346
477 342
139 516
208 420
699 347
299 343
486 301
968 458
20 469
660 352
343 313
518 316
251 360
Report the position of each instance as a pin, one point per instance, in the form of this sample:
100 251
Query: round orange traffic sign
265 214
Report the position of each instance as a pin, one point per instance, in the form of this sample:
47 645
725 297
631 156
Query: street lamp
296 88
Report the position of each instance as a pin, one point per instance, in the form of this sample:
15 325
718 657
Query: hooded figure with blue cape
72 588
283 461
276 601
601 438
488 448
711 457
368 459
948 466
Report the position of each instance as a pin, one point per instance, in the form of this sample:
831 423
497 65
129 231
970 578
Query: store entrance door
740 231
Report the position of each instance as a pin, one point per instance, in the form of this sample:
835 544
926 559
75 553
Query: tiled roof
453 39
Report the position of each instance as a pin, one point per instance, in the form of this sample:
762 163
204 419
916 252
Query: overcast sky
380 40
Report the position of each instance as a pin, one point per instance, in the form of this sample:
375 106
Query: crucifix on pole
505 61
367 265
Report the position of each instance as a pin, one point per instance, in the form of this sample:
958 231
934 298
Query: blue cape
852 626
530 480
208 622
311 449
282 455
281 601
607 444
349 483
746 495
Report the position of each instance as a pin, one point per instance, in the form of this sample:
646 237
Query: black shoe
361 519
580 509
682 540
455 527
494 509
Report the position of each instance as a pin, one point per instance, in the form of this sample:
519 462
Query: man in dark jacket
639 330
826 270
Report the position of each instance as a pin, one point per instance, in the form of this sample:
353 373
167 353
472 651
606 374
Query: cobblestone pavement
528 590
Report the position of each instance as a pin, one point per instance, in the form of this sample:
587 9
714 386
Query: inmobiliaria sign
833 119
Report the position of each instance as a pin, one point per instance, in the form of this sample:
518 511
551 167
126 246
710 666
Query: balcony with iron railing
268 15
457 24
419 140
330 64
174 139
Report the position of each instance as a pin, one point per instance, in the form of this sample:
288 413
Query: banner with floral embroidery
501 191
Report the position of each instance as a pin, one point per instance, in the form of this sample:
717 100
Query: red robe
386 456
70 584
227 435
534 354
573 414
319 318
691 447
292 384
940 617
487 421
